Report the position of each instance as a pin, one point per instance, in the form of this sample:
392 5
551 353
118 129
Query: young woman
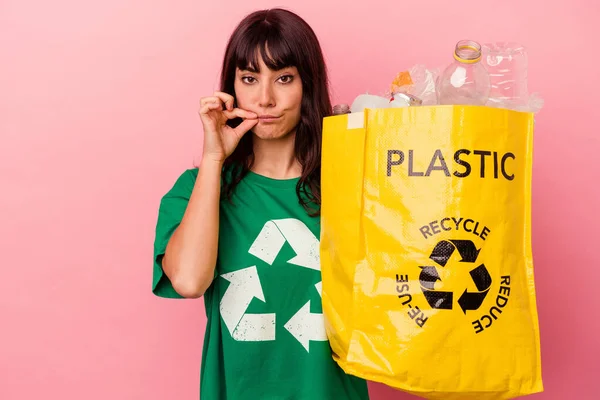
242 229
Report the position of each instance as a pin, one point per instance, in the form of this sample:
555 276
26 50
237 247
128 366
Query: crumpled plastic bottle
507 64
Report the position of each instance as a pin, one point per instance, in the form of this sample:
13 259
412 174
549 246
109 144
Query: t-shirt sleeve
170 213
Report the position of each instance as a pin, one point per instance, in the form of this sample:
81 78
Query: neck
275 158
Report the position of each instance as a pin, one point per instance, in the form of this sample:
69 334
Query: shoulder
183 184
189 175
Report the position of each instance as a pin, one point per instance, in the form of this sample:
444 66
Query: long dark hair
291 43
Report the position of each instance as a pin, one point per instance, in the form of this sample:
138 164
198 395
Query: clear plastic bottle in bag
465 81
506 63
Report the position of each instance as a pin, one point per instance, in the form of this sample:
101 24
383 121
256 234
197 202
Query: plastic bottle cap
467 52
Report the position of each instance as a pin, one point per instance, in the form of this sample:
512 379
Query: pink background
98 115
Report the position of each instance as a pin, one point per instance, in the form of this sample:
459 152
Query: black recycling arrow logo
436 299
483 281
441 254
443 251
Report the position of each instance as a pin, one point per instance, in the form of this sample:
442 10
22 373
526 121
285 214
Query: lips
268 118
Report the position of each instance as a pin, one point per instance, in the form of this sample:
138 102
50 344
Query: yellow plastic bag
428 280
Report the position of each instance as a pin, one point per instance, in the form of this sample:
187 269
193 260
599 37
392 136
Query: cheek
296 100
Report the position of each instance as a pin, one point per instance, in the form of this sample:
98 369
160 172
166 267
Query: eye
286 79
248 79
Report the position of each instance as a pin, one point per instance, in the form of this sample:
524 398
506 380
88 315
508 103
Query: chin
269 133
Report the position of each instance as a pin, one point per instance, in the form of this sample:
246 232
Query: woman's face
275 96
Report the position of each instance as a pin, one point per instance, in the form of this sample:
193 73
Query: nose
266 96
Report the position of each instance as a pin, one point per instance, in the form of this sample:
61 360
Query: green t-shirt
265 336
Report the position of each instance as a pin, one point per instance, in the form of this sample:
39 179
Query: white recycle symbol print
245 285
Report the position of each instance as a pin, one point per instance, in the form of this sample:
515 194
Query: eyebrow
256 71
249 69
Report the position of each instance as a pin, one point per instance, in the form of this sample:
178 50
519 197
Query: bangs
266 42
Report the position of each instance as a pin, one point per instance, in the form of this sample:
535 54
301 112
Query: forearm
191 254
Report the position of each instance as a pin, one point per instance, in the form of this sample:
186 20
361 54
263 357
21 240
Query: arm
191 253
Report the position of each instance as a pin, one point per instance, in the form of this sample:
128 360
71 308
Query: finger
211 99
209 107
244 127
225 98
238 112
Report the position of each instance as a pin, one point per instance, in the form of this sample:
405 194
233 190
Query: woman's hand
219 139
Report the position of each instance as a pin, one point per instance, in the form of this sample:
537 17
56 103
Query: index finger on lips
238 112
